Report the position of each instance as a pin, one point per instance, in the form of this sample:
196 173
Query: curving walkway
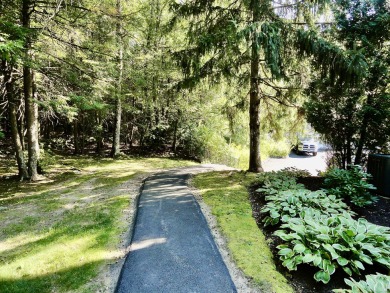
172 248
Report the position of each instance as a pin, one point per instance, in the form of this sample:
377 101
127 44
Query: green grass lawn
227 196
62 234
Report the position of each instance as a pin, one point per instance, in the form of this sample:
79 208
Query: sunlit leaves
333 243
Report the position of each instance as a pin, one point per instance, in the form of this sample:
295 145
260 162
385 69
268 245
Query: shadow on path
172 248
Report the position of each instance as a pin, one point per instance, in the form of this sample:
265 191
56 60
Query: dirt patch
312 183
377 213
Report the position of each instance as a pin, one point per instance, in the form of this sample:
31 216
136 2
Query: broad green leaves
318 229
286 199
337 246
373 284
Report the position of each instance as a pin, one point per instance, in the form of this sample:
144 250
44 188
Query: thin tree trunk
9 84
131 135
118 103
31 106
254 104
363 132
174 143
76 137
99 134
82 132
22 132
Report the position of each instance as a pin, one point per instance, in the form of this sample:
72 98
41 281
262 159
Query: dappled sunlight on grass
58 255
57 236
19 240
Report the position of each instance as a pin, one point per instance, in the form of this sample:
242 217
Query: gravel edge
242 283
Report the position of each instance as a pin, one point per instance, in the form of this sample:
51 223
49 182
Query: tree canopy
177 77
354 118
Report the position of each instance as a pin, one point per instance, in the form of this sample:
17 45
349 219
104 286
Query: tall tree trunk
9 85
76 137
363 131
82 131
254 104
174 143
30 105
118 103
99 134
22 132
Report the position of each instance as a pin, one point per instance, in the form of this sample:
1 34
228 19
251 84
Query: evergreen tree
249 40
354 117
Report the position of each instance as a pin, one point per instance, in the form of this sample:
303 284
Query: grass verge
64 234
227 196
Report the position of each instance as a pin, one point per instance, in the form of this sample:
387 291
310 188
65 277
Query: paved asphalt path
172 248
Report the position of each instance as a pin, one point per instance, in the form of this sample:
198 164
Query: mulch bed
302 280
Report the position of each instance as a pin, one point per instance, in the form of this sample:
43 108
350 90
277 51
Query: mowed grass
227 196
62 234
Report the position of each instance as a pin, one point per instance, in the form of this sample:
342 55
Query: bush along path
172 248
316 232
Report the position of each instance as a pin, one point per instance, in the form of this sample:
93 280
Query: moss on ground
227 196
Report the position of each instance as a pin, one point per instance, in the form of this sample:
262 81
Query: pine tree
253 41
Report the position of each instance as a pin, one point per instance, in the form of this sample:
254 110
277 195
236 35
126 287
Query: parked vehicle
306 145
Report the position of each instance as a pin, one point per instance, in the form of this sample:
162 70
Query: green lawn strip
57 236
227 196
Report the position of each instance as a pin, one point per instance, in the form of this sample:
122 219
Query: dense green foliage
285 176
84 57
372 284
350 184
173 72
286 199
332 243
353 116
252 43
284 205
317 228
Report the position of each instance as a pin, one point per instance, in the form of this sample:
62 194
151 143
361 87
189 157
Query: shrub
286 198
47 159
329 243
350 184
289 174
274 183
284 205
279 150
373 284
294 172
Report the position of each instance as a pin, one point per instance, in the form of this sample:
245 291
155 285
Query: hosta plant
283 205
289 174
277 184
331 243
294 172
373 284
351 184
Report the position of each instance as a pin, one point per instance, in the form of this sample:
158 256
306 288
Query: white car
307 146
